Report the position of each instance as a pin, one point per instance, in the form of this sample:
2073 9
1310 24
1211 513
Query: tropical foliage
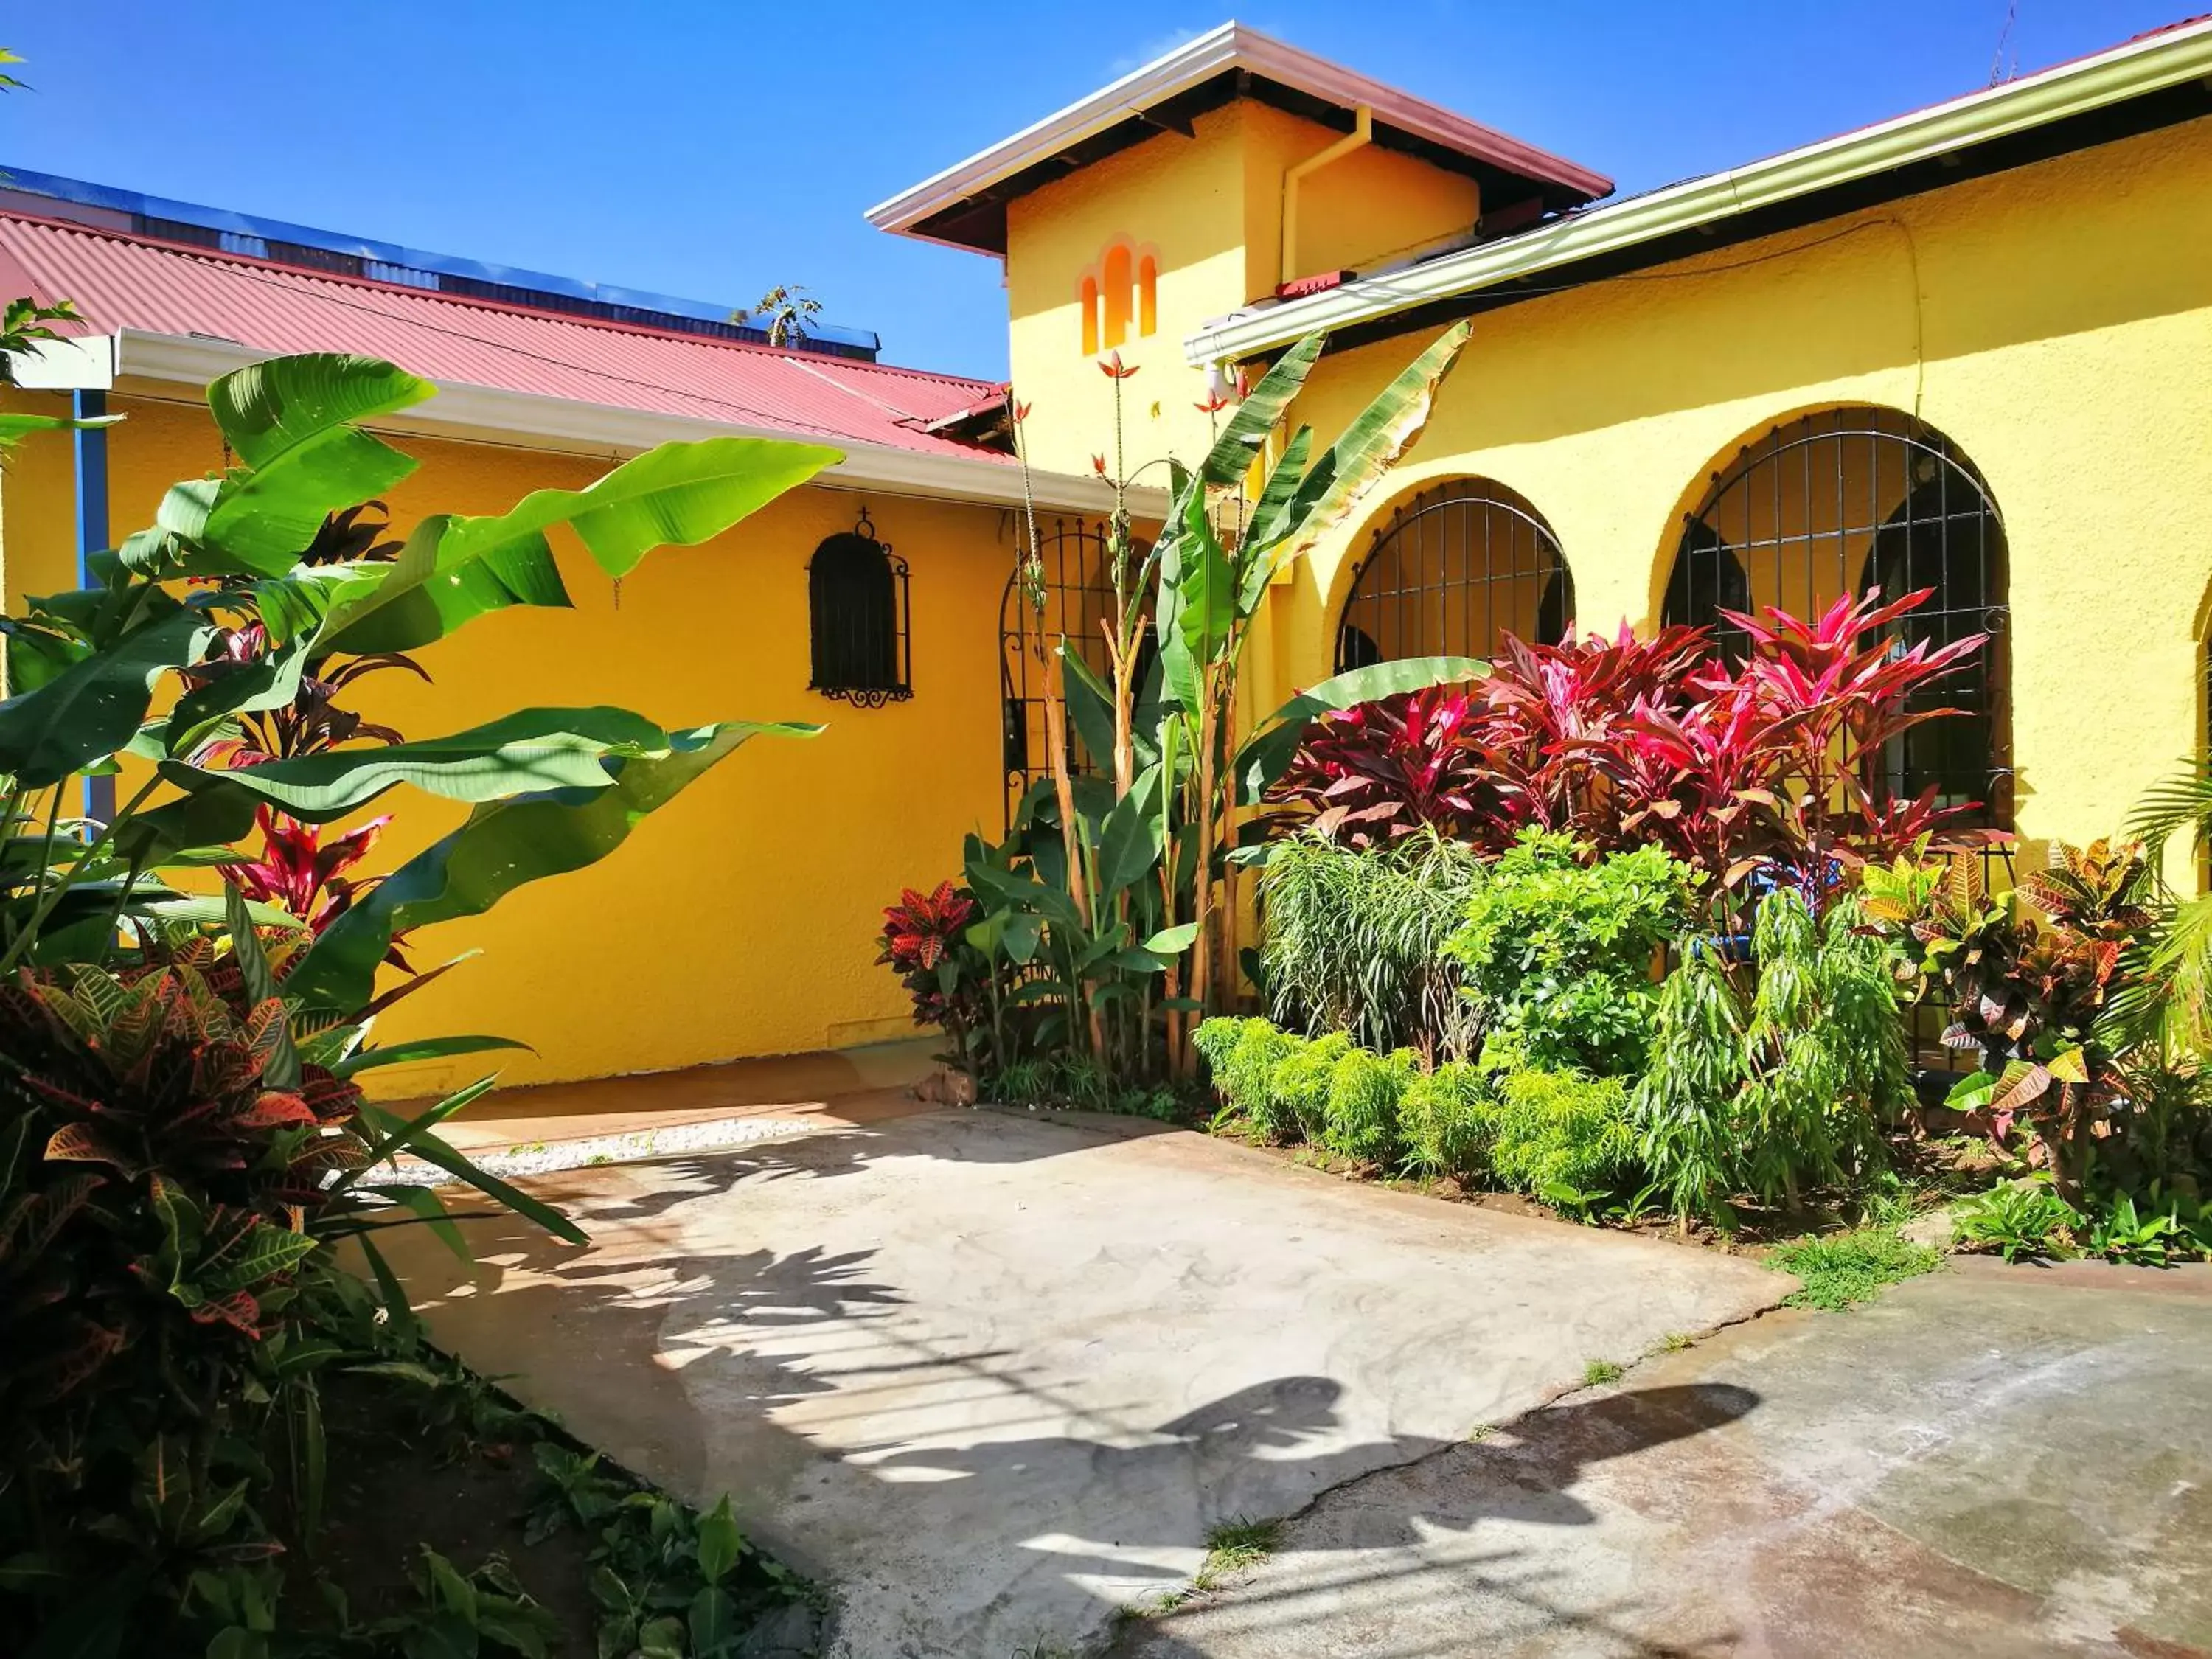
1769 1086
1750 773
1557 952
184 1143
1355 941
1110 911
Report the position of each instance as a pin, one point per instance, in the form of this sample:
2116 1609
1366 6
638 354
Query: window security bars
1454 570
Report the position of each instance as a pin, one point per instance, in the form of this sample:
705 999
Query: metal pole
91 449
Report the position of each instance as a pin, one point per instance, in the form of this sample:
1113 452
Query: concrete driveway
1988 1463
997 1377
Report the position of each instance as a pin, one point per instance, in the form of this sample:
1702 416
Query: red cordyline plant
1760 771
925 944
1382 771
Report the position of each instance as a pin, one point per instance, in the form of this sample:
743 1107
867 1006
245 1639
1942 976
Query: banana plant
245 590
1125 881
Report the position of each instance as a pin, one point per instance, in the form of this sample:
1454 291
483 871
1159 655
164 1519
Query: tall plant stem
1201 947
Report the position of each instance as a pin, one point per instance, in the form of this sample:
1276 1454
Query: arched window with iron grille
1843 502
856 590
1078 592
1452 572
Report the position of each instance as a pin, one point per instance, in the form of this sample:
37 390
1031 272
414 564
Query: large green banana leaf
1369 446
455 569
535 749
94 708
1232 453
679 494
292 424
504 844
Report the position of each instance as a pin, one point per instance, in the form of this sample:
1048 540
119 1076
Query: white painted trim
82 363
531 420
2133 69
1231 46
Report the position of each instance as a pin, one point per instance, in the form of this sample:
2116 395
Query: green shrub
1560 1130
1557 953
1449 1119
2024 1220
1355 940
1297 1088
1765 1092
1243 1054
1365 1089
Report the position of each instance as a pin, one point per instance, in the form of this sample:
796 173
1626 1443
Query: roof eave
1231 46
135 360
2134 70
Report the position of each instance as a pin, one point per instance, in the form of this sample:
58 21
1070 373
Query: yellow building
1970 349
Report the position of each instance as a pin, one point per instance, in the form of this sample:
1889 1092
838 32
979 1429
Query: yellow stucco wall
2054 322
1211 207
740 918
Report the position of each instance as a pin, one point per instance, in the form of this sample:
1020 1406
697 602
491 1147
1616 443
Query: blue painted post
91 446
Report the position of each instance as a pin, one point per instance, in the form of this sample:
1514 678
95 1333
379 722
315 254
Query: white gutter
131 357
1231 46
2134 70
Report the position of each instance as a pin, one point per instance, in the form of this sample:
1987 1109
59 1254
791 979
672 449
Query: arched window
1852 500
1454 570
1116 284
856 591
1079 605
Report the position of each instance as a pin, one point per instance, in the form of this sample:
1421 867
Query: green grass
1675 1341
1596 1373
1850 1268
1235 1545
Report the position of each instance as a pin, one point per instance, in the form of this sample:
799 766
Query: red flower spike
1214 404
1099 464
1112 367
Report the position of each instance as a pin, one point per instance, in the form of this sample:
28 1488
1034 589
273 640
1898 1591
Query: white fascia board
1231 46
2131 70
496 415
82 363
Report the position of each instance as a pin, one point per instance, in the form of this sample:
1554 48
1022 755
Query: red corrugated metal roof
120 282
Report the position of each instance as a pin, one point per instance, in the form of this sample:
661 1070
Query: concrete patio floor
996 1376
1988 1463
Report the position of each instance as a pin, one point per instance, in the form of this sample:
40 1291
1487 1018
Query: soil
393 1491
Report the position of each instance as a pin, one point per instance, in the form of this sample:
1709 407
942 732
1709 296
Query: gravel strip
543 1158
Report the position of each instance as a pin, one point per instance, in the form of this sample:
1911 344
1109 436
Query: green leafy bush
181 1135
1766 1091
2027 1218
1243 1054
1561 1132
1365 1089
1297 1088
1355 940
1448 1119
1557 953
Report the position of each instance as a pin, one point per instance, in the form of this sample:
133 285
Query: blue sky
713 150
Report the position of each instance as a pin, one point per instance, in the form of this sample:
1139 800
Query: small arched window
857 596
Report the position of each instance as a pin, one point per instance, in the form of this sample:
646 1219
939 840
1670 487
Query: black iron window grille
1455 569
856 590
1077 591
1845 502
